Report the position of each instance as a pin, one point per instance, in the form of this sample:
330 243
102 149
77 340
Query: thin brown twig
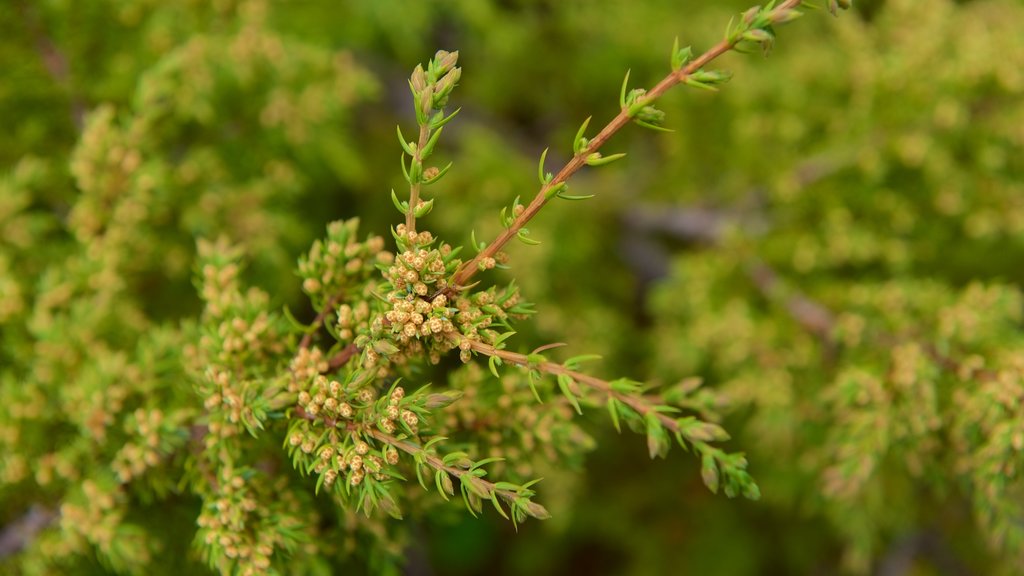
438 464
21 532
342 357
468 269
812 316
819 321
327 309
641 404
54 61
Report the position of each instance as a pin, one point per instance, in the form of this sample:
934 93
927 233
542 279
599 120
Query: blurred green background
872 162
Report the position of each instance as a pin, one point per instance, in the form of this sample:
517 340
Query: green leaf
493 362
532 377
575 361
402 207
294 322
428 148
435 125
596 159
457 458
409 147
709 472
415 171
499 341
555 190
680 57
524 236
540 168
419 475
444 484
654 127
497 505
575 198
625 84
486 461
423 209
319 483
564 383
433 441
625 385
657 438
579 142
440 174
613 411
405 171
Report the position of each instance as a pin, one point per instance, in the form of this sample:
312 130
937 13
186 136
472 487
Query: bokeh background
833 242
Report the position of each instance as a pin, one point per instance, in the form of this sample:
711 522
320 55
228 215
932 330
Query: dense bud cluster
155 437
340 263
333 438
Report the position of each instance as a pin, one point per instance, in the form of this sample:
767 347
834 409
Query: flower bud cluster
419 319
353 320
153 432
431 87
395 415
479 311
241 337
94 514
224 403
331 400
235 521
219 283
307 364
341 262
243 328
341 453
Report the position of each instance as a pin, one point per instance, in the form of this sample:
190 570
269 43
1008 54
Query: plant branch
470 268
414 189
819 321
20 533
54 61
478 485
812 316
640 404
342 357
327 309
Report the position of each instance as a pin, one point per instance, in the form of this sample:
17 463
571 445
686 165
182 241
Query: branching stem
470 268
642 405
328 308
436 463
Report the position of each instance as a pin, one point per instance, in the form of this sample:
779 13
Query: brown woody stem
640 404
470 268
437 464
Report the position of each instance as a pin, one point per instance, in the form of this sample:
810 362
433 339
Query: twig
811 315
53 60
327 309
470 268
342 357
462 474
22 531
640 404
